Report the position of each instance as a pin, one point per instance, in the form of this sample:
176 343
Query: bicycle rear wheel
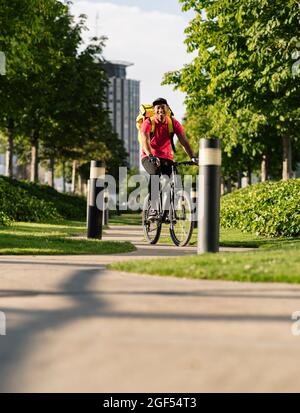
152 228
182 225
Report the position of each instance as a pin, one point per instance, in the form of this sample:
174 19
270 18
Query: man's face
161 112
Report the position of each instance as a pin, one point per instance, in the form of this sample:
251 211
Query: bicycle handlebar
185 163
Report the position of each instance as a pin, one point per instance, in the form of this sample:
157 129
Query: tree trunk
9 149
74 167
222 185
80 189
239 179
85 189
264 168
50 173
249 178
21 172
228 185
287 158
64 176
34 157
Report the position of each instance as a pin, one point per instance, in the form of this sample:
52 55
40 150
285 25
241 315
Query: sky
149 34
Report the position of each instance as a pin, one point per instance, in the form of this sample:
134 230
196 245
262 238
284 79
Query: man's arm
147 148
186 145
146 143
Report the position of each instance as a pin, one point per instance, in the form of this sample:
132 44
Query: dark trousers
154 171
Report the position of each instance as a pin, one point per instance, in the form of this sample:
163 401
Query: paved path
73 326
134 234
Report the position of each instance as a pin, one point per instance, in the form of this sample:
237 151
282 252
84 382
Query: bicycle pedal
152 218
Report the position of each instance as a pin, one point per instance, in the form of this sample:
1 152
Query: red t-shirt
160 143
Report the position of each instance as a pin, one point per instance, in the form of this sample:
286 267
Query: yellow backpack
147 112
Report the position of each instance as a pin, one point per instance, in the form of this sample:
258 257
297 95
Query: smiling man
157 155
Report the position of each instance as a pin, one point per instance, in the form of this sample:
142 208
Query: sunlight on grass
231 237
274 260
126 219
53 238
280 265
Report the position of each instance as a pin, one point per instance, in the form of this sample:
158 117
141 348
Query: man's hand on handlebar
154 159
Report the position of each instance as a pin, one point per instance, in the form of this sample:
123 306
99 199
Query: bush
26 201
269 208
4 219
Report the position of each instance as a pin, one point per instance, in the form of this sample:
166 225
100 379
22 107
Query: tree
244 65
32 51
53 95
81 129
58 37
18 25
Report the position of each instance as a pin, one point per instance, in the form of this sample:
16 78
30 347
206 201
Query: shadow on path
203 294
17 346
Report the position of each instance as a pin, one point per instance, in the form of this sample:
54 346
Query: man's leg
153 186
166 166
166 172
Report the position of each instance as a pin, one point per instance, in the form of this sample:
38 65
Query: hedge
26 201
269 208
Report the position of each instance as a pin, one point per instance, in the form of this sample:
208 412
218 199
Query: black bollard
95 214
209 195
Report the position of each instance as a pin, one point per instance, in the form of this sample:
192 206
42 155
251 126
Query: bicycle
178 216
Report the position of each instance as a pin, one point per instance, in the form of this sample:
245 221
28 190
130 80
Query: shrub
269 208
4 219
26 201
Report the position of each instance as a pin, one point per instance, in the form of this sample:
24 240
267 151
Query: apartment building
123 101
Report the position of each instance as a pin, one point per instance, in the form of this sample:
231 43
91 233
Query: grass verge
23 238
281 263
126 219
230 237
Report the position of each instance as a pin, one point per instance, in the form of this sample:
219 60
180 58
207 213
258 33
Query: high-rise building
123 101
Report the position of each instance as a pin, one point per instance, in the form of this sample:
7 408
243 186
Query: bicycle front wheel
181 225
152 228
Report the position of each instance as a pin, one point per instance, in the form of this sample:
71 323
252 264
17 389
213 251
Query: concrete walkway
134 234
74 326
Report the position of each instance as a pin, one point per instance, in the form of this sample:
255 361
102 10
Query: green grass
275 265
126 219
230 237
53 239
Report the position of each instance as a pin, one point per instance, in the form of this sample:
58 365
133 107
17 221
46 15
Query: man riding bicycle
157 155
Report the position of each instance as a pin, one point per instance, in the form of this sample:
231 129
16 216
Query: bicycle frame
162 207
180 234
